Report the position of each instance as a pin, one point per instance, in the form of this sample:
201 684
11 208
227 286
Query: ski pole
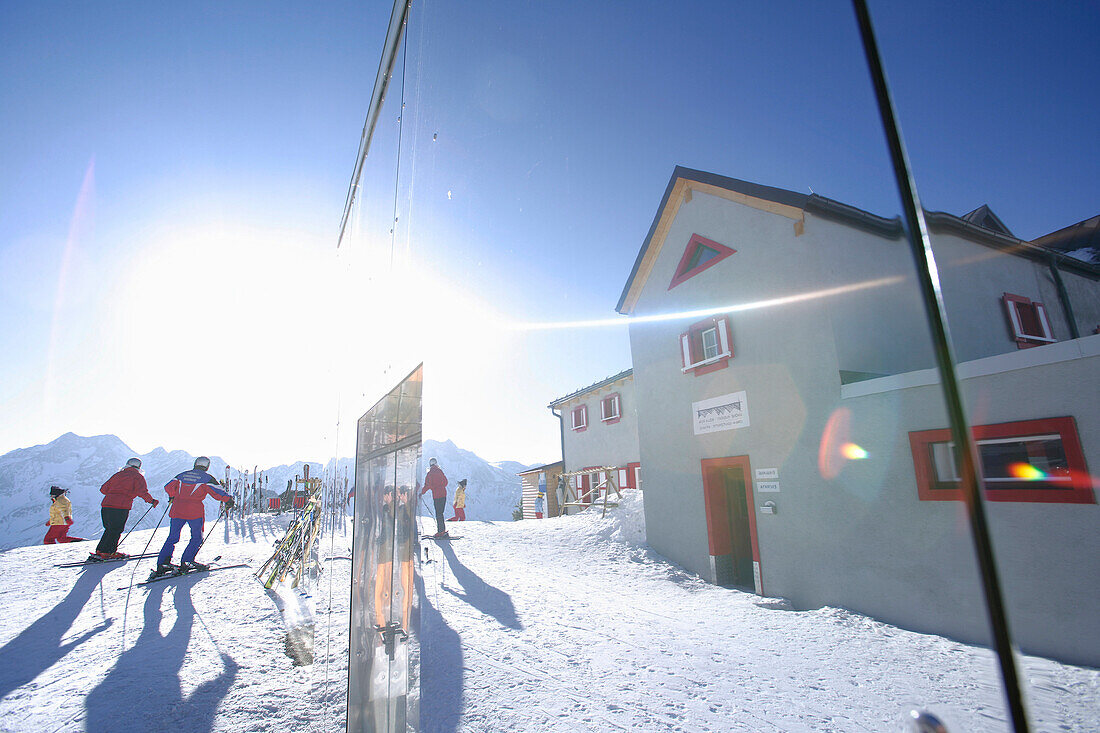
136 525
211 531
154 532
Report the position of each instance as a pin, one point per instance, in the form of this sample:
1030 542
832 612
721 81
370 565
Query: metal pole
928 280
210 531
136 524
378 96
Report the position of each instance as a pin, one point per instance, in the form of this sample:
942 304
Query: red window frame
691 346
1028 321
632 474
619 405
582 410
1076 488
684 270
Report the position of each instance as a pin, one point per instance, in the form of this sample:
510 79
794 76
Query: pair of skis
90 562
437 539
178 574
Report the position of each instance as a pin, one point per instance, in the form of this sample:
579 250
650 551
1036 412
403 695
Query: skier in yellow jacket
460 503
61 518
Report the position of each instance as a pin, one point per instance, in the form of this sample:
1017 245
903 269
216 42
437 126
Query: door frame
719 541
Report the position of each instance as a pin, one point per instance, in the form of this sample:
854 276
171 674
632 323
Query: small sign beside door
767 486
767 473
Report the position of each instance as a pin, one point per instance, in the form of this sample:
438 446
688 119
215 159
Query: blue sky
173 179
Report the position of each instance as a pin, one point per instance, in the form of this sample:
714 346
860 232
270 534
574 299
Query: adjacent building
599 429
791 425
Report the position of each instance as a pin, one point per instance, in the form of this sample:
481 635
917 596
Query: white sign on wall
720 413
766 486
767 473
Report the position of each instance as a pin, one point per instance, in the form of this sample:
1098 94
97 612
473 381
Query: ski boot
191 566
162 570
442 535
117 556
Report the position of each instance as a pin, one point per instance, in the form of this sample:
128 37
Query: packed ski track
565 625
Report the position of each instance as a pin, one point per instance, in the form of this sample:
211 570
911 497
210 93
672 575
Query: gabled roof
592 387
544 467
987 229
984 217
1082 238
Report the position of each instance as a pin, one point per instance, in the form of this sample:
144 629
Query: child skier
186 492
61 518
460 502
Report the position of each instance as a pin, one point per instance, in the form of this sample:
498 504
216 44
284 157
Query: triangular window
699 254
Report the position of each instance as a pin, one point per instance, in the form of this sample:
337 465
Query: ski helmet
57 491
202 463
134 463
462 482
433 462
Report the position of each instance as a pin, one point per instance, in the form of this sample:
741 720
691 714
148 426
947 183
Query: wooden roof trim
681 194
676 199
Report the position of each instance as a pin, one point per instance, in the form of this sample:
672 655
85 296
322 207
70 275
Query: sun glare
1026 472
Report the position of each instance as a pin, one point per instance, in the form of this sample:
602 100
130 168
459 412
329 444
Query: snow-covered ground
78 651
567 625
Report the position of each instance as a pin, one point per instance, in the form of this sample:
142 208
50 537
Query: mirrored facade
722 230
383 686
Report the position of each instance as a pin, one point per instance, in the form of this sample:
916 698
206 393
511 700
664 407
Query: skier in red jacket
436 482
119 493
186 492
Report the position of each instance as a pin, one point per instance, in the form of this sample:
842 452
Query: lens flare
852 452
1026 471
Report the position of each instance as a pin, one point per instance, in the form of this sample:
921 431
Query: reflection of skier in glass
383 574
436 482
61 518
460 502
186 492
406 538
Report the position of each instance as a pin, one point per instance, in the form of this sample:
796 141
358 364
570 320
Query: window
609 409
699 254
1028 319
710 343
580 417
1030 460
706 346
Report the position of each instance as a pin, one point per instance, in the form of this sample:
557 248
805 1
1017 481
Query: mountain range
81 465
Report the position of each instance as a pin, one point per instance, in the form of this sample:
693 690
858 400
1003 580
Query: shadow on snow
479 594
38 647
144 690
441 669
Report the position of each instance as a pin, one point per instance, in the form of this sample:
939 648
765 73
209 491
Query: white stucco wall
602 443
861 539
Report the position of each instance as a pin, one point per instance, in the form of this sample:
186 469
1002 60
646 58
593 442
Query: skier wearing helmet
436 482
119 493
186 492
